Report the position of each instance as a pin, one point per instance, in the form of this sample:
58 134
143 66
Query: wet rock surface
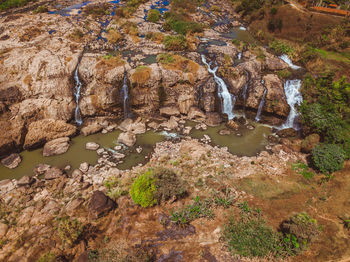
56 147
12 161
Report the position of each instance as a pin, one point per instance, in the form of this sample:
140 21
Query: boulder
224 132
91 129
287 132
309 143
100 204
213 119
170 124
274 63
25 181
126 124
92 146
41 169
169 111
136 128
195 113
84 167
127 138
232 124
12 161
53 173
41 131
57 146
3 229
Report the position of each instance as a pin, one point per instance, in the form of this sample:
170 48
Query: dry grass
176 62
141 75
108 62
113 36
156 37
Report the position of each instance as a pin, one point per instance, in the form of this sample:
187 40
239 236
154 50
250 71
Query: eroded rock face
12 161
213 119
100 204
56 147
45 130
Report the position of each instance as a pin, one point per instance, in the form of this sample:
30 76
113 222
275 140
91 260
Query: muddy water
243 142
78 154
239 34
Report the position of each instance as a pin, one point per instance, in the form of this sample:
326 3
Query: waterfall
239 56
224 94
261 105
286 59
77 88
126 96
292 91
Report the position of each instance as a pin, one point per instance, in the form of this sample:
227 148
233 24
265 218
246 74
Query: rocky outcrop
100 204
45 130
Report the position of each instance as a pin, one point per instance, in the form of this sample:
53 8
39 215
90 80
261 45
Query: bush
153 15
175 43
69 230
273 11
143 190
299 230
281 48
41 9
249 236
155 186
275 24
181 24
328 158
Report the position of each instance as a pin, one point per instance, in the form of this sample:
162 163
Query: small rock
139 150
104 131
92 146
56 147
238 134
77 173
128 139
41 169
196 113
118 148
273 139
100 205
25 181
224 132
84 167
12 161
100 151
118 155
91 129
153 125
67 168
53 173
250 127
242 120
187 130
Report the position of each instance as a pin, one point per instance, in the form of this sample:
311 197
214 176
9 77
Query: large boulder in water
276 100
57 146
12 161
213 119
127 138
41 131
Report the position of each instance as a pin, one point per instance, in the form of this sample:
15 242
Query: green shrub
199 209
299 230
249 236
284 74
328 158
302 169
346 148
41 9
143 190
69 230
181 24
153 15
249 6
8 4
155 186
175 43
273 11
281 47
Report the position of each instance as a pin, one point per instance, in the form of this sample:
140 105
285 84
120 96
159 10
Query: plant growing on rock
69 230
328 158
155 186
153 15
175 43
299 230
141 74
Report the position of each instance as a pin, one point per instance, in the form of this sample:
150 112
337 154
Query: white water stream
126 97
261 106
286 59
227 98
294 97
77 88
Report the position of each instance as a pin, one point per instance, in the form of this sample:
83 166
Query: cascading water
239 56
292 91
261 105
227 99
286 59
126 96
77 88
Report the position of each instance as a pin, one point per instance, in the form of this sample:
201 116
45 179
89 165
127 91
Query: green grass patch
303 169
340 57
8 4
175 42
153 15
